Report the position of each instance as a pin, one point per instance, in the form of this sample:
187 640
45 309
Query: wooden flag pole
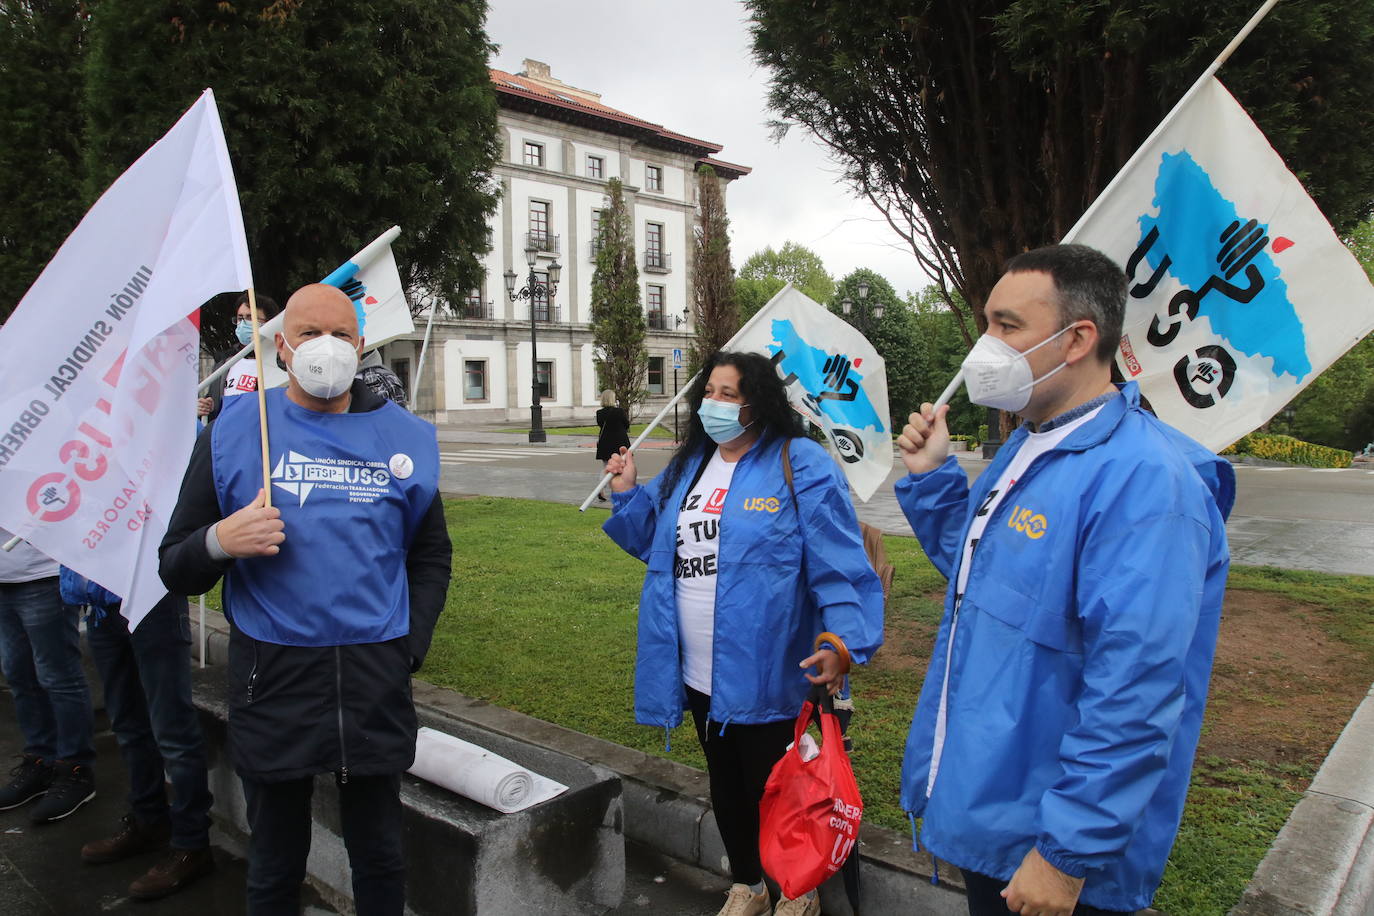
262 402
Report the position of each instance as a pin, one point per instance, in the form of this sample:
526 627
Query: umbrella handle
837 645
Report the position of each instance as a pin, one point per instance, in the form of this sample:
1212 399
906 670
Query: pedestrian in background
614 433
753 550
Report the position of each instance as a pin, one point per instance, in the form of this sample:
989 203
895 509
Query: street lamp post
533 291
866 308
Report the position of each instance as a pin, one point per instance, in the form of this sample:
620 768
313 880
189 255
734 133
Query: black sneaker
73 787
28 780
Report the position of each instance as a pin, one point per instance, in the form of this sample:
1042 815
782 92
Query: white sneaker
741 901
805 905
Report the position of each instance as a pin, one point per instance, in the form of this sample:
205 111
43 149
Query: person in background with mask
242 377
745 569
1051 746
332 595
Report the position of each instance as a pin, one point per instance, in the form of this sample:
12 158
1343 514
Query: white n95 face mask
998 375
324 366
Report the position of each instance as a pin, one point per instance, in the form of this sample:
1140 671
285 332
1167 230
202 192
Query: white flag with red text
98 381
1240 294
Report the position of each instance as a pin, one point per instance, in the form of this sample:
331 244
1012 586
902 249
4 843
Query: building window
540 302
597 217
534 153
653 178
596 167
653 296
474 380
402 369
654 258
539 225
473 306
543 375
655 380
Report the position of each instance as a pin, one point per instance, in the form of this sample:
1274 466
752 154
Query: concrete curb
1323 859
667 805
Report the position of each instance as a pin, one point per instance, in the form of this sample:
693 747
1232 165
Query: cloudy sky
688 67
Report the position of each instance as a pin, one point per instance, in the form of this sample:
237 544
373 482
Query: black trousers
985 898
738 764
279 819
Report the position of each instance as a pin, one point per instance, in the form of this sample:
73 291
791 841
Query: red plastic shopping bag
810 812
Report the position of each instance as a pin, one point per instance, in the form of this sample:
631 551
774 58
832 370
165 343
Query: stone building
560 145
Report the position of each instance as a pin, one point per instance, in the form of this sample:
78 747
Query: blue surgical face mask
721 420
244 331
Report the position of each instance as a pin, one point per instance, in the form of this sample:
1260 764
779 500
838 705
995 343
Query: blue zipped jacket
787 572
1080 656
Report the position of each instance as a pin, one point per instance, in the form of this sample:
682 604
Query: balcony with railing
657 262
475 310
594 248
546 242
656 320
547 314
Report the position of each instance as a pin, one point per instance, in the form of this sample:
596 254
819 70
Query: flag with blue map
372 281
1240 293
834 378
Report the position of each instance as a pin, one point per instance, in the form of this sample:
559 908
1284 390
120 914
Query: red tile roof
514 86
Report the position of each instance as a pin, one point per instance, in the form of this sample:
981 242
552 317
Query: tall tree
767 271
618 326
713 277
40 158
984 128
895 336
342 119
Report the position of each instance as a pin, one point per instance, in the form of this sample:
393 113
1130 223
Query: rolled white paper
476 773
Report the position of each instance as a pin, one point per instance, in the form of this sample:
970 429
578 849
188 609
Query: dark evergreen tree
342 119
618 326
716 310
40 119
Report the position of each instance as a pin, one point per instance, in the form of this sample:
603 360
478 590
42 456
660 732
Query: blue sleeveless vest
352 489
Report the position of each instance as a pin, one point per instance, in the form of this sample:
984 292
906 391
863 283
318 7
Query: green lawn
660 432
541 619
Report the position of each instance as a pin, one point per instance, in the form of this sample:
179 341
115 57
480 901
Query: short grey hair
1090 286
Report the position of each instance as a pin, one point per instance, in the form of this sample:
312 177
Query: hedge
1274 447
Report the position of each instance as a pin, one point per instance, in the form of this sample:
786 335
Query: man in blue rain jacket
1051 746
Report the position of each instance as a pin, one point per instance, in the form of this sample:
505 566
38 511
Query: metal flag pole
424 348
748 325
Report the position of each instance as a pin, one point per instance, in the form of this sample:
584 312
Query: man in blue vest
1053 740
332 594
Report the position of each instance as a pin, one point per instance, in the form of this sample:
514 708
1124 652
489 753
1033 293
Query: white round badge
401 466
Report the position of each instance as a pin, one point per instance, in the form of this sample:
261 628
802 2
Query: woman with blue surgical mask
753 551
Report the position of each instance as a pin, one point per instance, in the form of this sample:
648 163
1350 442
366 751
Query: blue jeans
40 655
147 678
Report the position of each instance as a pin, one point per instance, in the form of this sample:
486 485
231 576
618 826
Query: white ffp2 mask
324 365
998 375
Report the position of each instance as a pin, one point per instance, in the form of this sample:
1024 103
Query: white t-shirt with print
242 377
695 567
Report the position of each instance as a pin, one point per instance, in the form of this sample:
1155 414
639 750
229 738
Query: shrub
1274 447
